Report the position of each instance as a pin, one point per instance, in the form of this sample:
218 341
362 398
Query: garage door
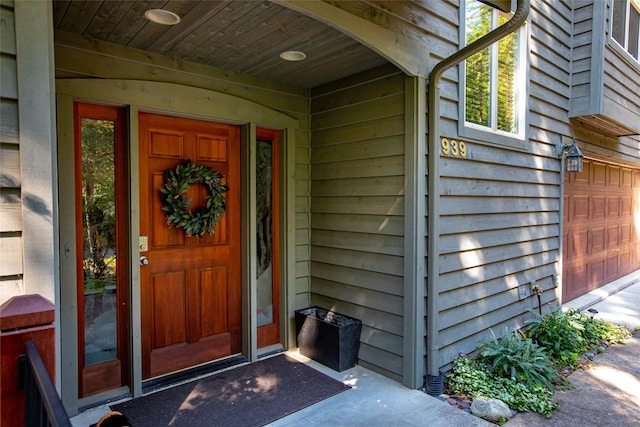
600 240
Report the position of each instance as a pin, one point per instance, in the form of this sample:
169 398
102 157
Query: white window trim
479 133
615 44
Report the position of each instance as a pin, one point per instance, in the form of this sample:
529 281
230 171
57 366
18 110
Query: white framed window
495 85
625 26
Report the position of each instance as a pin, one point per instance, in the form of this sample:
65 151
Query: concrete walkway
607 395
617 302
375 400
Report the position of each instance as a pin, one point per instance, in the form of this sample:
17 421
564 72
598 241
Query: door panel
214 293
170 308
190 290
600 242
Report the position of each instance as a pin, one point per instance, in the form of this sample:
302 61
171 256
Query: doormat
251 395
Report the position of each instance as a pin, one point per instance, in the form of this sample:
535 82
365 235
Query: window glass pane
507 93
99 237
478 67
491 76
478 89
478 20
619 20
634 24
264 232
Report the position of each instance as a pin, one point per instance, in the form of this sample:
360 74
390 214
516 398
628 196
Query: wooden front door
190 288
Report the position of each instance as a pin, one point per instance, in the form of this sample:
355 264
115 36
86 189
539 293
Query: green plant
472 378
594 330
517 357
469 377
524 398
174 198
560 334
516 369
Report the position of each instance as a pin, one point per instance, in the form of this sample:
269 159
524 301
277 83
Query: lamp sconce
574 157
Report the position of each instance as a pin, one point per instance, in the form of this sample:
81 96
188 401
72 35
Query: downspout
434 376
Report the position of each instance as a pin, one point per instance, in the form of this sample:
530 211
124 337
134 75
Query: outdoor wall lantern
574 157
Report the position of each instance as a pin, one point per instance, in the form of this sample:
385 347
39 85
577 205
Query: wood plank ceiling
238 35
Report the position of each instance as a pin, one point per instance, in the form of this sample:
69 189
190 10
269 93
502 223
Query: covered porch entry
211 89
167 300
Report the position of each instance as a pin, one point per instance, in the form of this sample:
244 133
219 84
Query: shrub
560 334
524 398
519 358
517 370
474 379
594 330
469 377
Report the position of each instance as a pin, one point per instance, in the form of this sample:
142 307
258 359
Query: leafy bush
568 335
519 358
516 369
523 398
469 377
594 330
560 334
474 379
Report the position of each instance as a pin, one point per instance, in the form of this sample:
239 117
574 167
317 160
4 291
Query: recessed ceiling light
293 55
161 16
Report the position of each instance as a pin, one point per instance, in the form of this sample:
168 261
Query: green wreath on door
177 182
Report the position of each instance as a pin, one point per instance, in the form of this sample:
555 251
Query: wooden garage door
600 241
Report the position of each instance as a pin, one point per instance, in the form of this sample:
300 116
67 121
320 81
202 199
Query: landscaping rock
493 410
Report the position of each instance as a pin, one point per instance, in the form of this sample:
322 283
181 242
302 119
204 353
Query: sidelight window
102 255
267 237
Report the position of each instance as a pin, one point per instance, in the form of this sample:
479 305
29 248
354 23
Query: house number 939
453 147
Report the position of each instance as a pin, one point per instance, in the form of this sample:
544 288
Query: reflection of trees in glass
263 204
507 66
489 71
98 203
478 67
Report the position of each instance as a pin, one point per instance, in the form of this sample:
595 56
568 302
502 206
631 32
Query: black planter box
330 338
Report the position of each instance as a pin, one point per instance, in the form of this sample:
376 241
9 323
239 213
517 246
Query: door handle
144 260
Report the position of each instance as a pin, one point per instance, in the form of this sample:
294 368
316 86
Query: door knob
144 260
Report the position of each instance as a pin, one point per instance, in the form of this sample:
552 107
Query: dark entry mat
251 395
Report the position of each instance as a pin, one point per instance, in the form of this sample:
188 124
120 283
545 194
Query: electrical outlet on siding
524 291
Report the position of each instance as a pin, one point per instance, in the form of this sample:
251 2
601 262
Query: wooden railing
42 405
